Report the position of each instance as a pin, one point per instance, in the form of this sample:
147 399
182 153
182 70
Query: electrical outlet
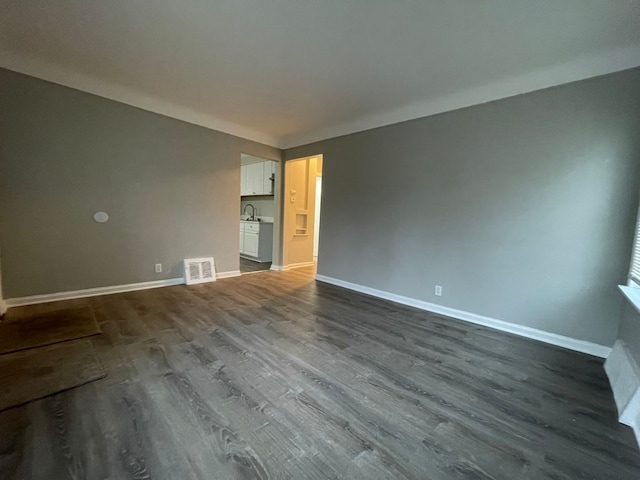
438 290
158 268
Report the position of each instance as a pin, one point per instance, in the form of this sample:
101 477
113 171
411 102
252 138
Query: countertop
261 220
257 221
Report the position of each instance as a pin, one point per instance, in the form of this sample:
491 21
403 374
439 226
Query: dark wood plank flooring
276 376
248 266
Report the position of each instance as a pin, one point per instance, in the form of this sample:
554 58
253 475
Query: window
634 270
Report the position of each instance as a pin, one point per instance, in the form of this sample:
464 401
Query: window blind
634 270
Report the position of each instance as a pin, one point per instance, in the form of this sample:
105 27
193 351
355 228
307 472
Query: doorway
259 201
301 212
316 220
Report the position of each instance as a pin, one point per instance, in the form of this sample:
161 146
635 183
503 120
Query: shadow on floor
248 266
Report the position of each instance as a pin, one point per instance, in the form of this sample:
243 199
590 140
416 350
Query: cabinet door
241 240
255 177
243 180
269 170
251 243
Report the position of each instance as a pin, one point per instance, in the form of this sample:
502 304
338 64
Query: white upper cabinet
256 240
243 180
256 178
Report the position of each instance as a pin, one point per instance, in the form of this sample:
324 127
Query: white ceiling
287 72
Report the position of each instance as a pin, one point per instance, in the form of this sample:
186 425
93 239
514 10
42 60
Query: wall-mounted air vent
199 270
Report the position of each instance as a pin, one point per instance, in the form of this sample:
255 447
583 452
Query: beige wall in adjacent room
171 189
299 209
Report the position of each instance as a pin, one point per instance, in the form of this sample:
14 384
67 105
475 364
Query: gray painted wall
172 190
523 209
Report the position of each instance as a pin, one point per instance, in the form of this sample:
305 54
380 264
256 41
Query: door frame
276 252
283 240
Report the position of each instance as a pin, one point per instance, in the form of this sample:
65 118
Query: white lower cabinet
256 240
251 241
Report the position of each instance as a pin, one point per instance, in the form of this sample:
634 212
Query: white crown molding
520 330
581 68
94 292
41 69
578 69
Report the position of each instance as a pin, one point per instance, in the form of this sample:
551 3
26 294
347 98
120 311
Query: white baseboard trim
94 292
3 307
232 273
276 268
291 266
520 330
91 292
624 376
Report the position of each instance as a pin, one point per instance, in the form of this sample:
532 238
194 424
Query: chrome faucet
253 211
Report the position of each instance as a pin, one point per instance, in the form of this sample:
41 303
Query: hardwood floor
247 266
273 375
